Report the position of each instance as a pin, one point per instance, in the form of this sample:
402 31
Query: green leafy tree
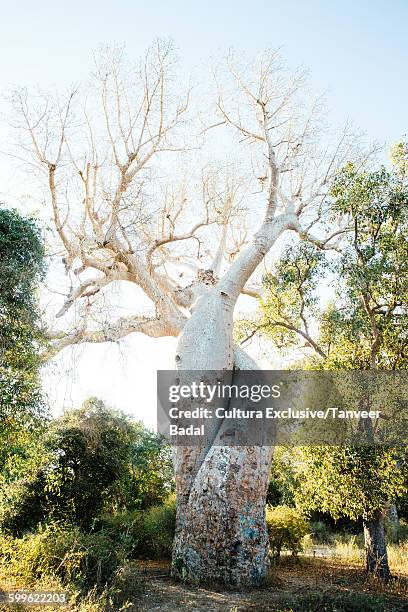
22 410
86 451
286 529
95 459
364 329
289 301
148 479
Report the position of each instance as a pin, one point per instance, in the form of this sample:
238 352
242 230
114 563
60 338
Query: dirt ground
295 585
304 585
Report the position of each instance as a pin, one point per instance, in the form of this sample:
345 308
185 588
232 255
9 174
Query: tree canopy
22 267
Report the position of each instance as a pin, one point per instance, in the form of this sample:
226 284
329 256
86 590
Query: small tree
94 459
22 408
89 451
365 329
286 529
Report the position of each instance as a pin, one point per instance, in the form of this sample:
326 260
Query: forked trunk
221 534
221 491
375 547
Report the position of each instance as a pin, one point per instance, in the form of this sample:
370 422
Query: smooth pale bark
375 546
221 533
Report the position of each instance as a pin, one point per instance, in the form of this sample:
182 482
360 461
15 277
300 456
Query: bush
159 526
94 460
286 529
124 528
396 532
321 532
22 505
63 553
144 534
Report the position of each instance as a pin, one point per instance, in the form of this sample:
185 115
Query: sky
356 52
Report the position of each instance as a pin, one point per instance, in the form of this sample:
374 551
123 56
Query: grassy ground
304 585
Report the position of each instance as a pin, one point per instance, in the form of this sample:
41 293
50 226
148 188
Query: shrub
125 529
144 534
286 529
89 450
22 505
63 553
94 460
159 526
396 532
321 532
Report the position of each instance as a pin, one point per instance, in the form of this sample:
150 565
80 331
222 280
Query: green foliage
366 325
364 328
22 410
93 459
282 478
21 261
62 552
145 533
351 482
23 504
374 262
21 269
149 477
399 157
86 452
290 297
282 308
159 527
89 450
286 529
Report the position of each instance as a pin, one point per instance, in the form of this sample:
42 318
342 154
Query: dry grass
336 584
352 553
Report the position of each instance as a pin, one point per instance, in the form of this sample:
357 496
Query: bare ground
304 585
295 585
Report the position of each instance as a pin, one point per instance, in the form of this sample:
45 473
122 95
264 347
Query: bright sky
356 51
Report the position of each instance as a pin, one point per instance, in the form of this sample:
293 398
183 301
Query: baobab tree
131 203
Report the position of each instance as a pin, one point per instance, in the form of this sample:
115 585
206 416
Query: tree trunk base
376 549
231 569
221 535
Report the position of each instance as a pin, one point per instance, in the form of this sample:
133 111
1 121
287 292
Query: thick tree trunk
375 547
221 491
221 534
